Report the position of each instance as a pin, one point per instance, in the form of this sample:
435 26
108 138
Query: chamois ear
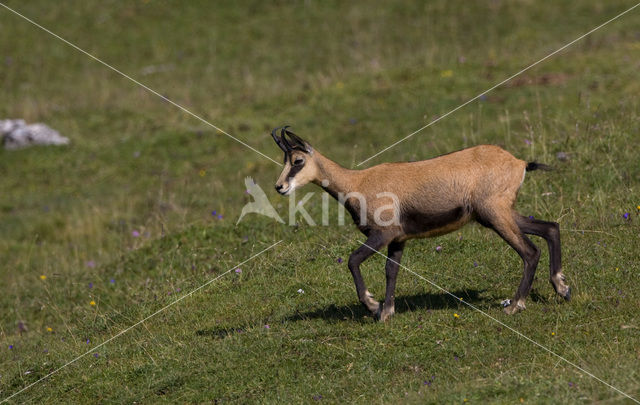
298 143
279 140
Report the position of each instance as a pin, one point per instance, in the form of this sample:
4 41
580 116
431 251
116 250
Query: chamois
393 202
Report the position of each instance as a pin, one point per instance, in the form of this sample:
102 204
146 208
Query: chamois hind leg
394 255
550 231
503 222
374 242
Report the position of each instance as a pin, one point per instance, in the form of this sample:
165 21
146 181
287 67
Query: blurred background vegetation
125 214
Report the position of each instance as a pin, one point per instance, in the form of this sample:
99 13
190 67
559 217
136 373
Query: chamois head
299 166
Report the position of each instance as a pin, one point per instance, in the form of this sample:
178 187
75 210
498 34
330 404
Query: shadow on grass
357 312
535 296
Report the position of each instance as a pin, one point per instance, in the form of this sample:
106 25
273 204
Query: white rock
16 134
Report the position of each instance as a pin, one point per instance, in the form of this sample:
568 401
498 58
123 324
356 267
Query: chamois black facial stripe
295 169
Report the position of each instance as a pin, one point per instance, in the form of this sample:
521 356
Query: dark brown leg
394 255
550 231
503 222
530 256
374 242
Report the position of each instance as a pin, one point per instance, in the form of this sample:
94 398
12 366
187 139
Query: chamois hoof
385 313
561 288
371 304
514 307
377 315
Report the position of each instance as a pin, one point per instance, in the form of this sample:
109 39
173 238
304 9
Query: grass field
98 235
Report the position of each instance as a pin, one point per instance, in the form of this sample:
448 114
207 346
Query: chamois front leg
373 244
394 255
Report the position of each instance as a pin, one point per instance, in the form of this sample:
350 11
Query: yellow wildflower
49 329
202 172
446 73
43 277
456 316
92 303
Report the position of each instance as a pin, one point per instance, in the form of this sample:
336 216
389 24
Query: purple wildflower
91 264
528 142
317 397
10 347
267 326
475 264
96 355
626 215
532 217
135 234
438 248
238 270
112 281
88 341
219 216
214 213
339 259
90 285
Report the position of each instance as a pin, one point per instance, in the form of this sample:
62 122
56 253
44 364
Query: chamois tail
531 166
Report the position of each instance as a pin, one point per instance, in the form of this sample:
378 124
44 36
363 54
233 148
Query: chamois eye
298 161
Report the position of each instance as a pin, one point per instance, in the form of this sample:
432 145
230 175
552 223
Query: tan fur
473 177
424 199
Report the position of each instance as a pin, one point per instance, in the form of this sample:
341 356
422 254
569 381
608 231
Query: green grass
351 78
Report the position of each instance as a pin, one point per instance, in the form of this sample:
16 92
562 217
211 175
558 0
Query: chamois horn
279 140
299 142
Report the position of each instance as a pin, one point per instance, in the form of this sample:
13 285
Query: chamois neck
334 178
